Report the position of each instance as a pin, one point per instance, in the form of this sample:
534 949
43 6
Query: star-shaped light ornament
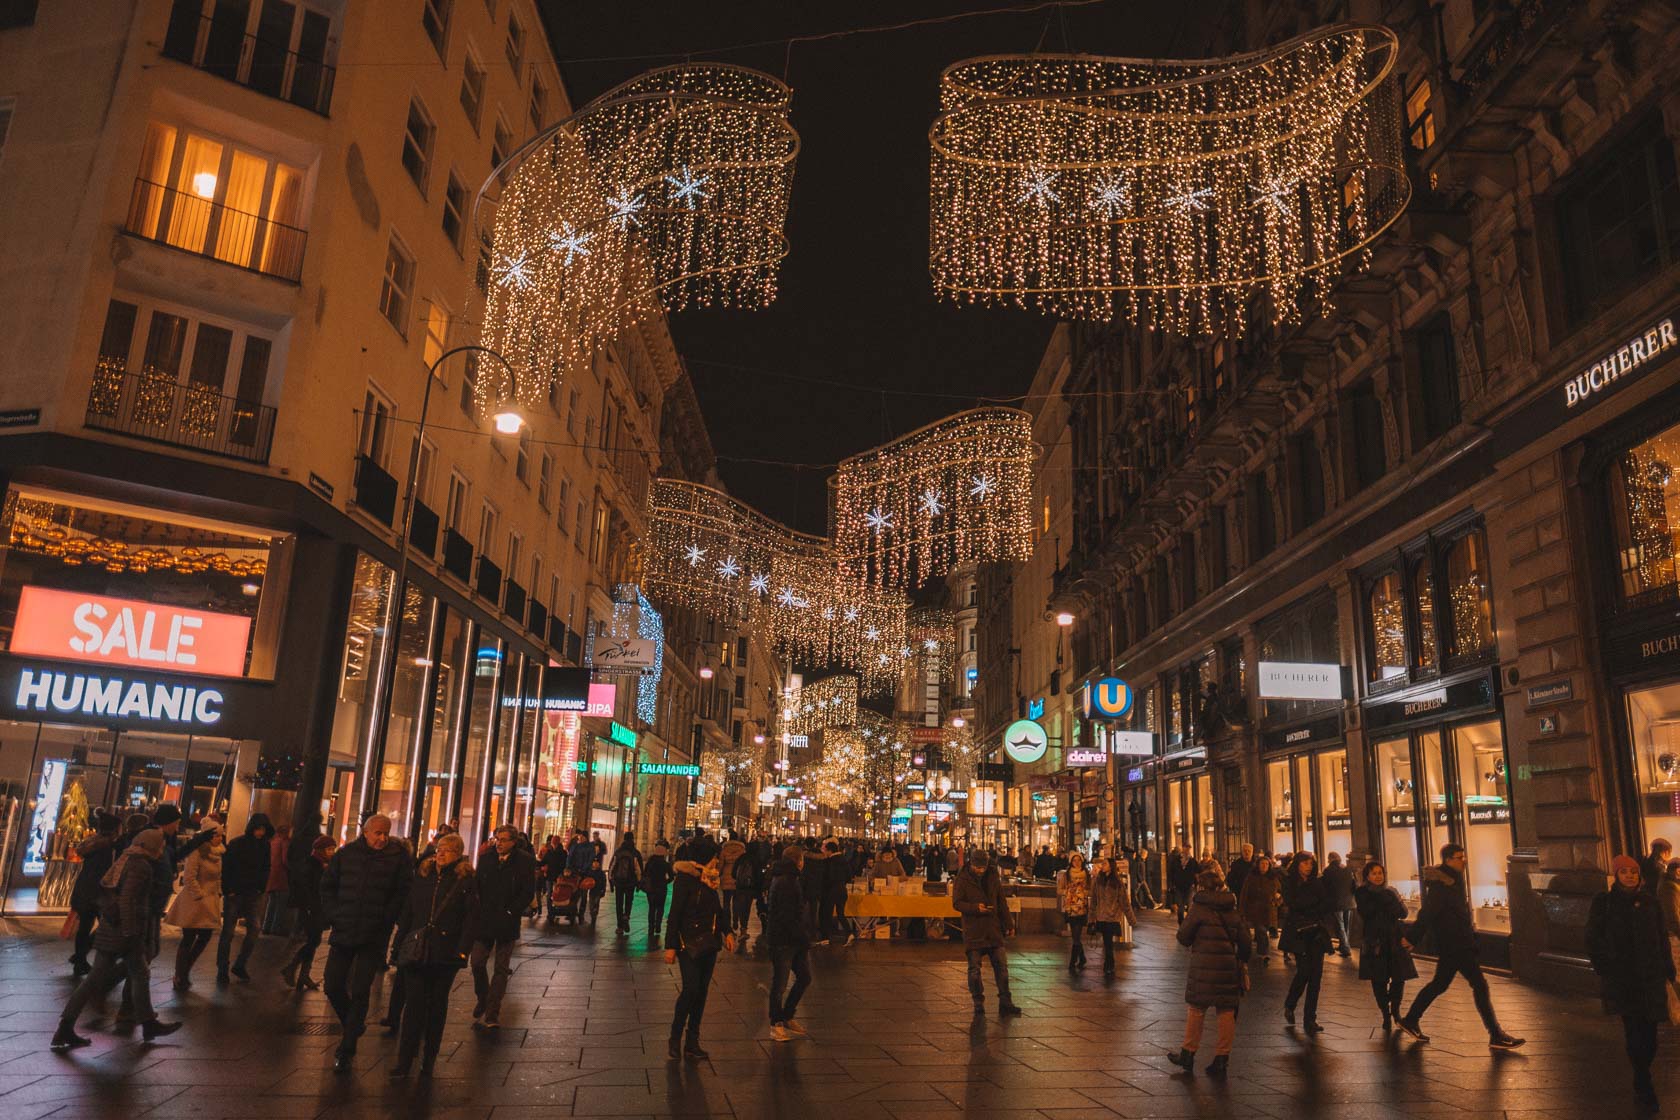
931 644
572 242
729 569
1108 199
624 207
1190 201
1279 195
514 272
878 520
871 634
760 584
851 614
1036 186
981 486
695 554
686 187
788 598
931 505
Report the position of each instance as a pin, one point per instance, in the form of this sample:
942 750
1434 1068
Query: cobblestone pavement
891 1038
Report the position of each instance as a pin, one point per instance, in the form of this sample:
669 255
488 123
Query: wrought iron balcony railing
212 229
219 45
179 413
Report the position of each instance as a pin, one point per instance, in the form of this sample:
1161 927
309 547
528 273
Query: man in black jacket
244 879
1338 882
1445 918
978 896
790 943
507 874
362 893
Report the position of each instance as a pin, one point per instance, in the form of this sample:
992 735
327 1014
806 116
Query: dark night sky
855 305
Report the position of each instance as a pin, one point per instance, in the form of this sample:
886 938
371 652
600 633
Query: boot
290 974
674 1048
306 984
1216 1068
692 1051
1183 1059
1388 1021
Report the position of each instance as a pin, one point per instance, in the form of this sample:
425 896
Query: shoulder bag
412 951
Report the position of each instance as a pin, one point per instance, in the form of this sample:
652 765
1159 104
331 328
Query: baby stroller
569 896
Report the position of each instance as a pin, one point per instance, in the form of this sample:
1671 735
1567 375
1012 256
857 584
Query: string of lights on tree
666 192
954 493
1165 191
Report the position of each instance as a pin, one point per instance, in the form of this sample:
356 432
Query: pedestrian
438 924
978 897
122 941
305 897
624 873
1073 898
1111 907
506 876
811 884
790 944
279 876
1306 935
837 877
1338 882
1238 872
96 853
732 850
1218 974
1668 904
1258 905
1445 924
696 931
244 879
1383 960
1142 896
363 893
656 879
1629 951
1182 871
1654 866
887 864
749 886
197 909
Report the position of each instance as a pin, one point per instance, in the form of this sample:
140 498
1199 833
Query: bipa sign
80 627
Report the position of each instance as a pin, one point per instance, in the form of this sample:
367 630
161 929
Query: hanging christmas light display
932 640
831 703
1165 191
954 493
714 554
666 192
634 617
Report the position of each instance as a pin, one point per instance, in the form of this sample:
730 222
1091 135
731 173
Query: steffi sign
81 627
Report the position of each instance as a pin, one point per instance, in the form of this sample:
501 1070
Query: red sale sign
99 628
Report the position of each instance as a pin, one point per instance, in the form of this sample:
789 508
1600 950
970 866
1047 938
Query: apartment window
1434 386
487 519
562 500
545 477
418 135
598 534
1619 221
434 17
397 288
571 415
7 106
1307 480
455 502
145 342
1262 524
472 89
469 384
501 143
553 592
211 196
437 334
1219 547
578 525
481 271
522 455
1370 457
278 49
422 453
515 43
515 546
378 412
454 210
539 104
1420 118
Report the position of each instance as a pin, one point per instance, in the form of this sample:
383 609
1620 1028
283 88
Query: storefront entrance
1309 805
1190 815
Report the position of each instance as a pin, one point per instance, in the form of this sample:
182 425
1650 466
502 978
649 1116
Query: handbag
411 950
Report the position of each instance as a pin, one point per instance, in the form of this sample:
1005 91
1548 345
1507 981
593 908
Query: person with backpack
656 881
625 872
1218 977
507 874
695 932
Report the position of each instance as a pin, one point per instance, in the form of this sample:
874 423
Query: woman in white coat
197 908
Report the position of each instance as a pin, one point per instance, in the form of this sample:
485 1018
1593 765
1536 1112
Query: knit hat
165 814
1620 862
322 843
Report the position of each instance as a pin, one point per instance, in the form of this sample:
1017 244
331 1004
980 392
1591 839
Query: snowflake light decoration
571 242
624 207
516 272
931 505
685 188
729 568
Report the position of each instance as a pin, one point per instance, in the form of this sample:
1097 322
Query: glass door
1281 802
1311 823
1485 793
1334 809
1398 827
1434 829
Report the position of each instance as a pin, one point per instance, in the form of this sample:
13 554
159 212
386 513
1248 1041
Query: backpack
746 875
624 866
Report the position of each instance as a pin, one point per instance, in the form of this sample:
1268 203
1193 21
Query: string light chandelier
813 613
932 639
954 493
666 192
1165 191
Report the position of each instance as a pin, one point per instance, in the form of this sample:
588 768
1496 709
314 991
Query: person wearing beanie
1446 921
696 930
1629 952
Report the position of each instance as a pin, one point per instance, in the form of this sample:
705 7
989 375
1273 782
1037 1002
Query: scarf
148 843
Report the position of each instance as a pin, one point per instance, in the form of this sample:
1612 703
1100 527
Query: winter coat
1381 956
973 890
888 865
1182 872
656 874
837 872
1073 899
933 864
97 853
442 902
1259 901
1444 923
1044 866
1235 876
1629 952
785 920
363 891
953 862
812 877
696 924
304 894
504 887
245 864
1111 899
731 851
279 873
626 867
1219 943
1338 881
198 904
580 857
125 911
1307 903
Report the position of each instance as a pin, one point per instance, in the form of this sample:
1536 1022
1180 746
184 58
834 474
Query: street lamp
1064 618
507 421
706 673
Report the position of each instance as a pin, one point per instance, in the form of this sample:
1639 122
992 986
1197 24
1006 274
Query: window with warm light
437 334
1420 117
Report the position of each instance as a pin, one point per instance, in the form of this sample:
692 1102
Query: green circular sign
1025 741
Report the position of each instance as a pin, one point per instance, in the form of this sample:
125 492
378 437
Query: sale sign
99 628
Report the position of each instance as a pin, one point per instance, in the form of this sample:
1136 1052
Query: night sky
801 381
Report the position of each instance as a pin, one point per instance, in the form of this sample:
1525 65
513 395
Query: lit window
437 334
398 286
1420 118
417 144
472 89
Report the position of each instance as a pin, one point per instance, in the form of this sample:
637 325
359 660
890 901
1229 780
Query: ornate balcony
208 228
179 413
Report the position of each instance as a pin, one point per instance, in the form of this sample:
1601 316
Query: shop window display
1281 790
1485 792
487 676
1336 810
1305 816
1387 602
1654 721
1397 795
1472 605
1645 498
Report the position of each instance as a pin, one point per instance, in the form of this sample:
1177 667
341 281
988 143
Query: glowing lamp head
508 421
204 184
958 721
706 673
1064 618
758 740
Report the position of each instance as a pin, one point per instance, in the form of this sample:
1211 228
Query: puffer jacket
785 922
503 886
198 904
125 911
1219 943
97 853
1111 899
364 889
1444 923
441 902
732 850
972 890
1259 902
1630 954
1307 905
